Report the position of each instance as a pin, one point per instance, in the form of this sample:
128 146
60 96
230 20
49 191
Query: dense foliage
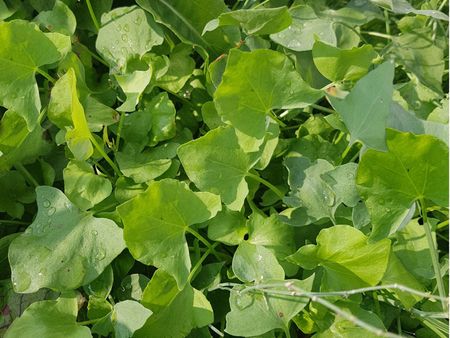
174 168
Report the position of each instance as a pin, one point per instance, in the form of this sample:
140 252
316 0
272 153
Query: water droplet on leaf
244 300
46 203
101 254
51 211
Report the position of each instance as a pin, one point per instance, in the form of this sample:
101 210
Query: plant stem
119 130
380 35
30 179
45 74
377 304
346 151
277 120
105 155
92 14
324 109
95 56
197 265
203 240
387 22
88 322
434 254
7 221
269 185
287 331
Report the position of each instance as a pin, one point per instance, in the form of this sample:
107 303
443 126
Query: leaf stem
346 151
30 179
105 155
88 322
119 130
269 185
94 56
380 35
277 120
7 221
433 253
197 265
45 74
387 22
377 304
92 14
203 240
323 109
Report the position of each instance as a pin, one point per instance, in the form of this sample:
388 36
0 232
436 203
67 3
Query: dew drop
51 211
259 258
94 232
46 203
126 28
100 255
261 277
244 301
21 281
138 20
124 37
67 205
124 51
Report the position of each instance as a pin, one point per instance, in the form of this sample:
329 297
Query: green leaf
17 144
420 56
163 118
132 287
255 313
403 120
411 248
133 85
345 254
63 248
145 166
126 33
181 67
255 263
187 20
216 163
67 112
309 192
102 285
390 182
124 320
342 181
252 85
404 7
261 21
343 64
60 19
15 193
367 107
49 318
83 187
306 27
227 227
274 235
397 273
342 327
24 51
163 297
155 233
